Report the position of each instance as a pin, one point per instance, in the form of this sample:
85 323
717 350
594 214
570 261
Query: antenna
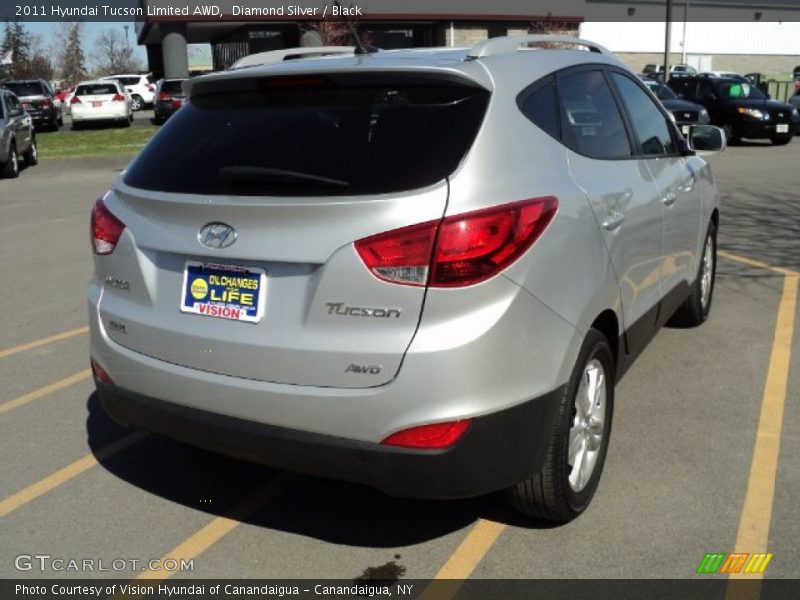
359 45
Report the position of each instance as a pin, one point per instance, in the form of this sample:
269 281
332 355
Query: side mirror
706 139
15 112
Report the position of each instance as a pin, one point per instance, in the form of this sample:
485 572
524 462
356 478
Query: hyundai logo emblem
216 236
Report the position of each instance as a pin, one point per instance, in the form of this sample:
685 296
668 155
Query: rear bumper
44 116
104 114
497 451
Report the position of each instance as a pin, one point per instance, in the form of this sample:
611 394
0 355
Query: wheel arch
607 323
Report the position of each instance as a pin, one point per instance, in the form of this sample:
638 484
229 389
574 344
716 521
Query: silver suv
420 270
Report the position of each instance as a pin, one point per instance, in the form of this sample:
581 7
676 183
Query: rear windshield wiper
242 174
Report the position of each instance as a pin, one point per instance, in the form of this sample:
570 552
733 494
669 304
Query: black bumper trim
497 451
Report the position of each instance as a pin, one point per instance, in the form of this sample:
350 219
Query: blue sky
91 31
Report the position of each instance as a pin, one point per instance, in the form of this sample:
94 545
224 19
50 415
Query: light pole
683 42
127 45
666 41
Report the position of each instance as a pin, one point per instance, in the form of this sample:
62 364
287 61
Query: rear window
26 89
172 87
128 80
96 89
327 141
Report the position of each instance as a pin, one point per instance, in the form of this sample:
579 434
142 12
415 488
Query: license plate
782 128
96 104
223 291
685 130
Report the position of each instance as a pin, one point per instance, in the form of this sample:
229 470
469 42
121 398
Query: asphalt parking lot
704 455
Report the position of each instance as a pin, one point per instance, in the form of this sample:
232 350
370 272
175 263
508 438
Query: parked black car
169 98
740 108
686 113
39 101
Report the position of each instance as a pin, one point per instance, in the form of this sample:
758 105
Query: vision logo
737 562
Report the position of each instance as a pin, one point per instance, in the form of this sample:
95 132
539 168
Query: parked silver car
17 138
420 270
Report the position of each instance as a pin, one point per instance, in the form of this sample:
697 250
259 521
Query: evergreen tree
17 40
73 60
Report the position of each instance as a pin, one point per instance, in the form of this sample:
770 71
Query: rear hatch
96 95
31 95
171 93
300 168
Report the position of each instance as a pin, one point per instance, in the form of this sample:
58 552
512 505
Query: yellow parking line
43 341
71 471
44 391
756 263
463 561
219 527
754 525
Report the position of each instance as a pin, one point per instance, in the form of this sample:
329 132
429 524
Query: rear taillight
400 256
105 229
75 100
118 98
46 102
164 97
460 250
151 87
100 373
429 437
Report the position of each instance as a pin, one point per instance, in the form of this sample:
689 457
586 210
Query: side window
13 103
652 130
591 123
705 91
684 88
540 107
2 108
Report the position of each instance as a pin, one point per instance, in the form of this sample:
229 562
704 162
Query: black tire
76 126
780 140
32 155
694 311
11 166
731 136
549 494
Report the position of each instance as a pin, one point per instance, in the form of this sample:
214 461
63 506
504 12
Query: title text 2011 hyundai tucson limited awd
419 270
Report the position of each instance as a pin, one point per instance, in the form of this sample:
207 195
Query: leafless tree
112 55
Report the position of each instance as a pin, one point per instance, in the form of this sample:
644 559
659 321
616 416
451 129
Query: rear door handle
613 220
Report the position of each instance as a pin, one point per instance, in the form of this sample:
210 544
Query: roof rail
512 43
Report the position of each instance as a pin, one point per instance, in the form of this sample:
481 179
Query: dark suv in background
685 113
39 101
740 108
169 98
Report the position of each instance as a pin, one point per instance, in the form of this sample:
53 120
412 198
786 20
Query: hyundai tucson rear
384 269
